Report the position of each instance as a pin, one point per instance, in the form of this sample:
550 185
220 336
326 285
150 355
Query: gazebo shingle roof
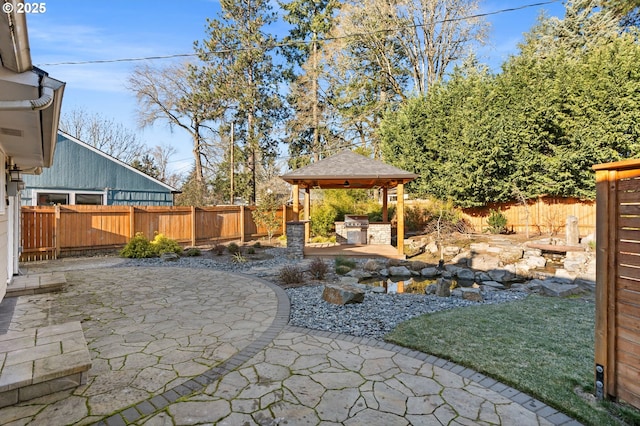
348 167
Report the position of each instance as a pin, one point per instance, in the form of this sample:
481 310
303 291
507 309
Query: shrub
257 245
497 222
161 244
192 252
318 269
139 247
251 250
342 269
233 248
343 261
291 274
238 258
219 249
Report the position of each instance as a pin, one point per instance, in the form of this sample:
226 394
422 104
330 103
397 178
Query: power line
297 42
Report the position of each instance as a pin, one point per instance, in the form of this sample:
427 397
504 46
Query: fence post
132 222
56 231
242 224
284 219
193 226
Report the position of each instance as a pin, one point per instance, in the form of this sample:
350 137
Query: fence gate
617 336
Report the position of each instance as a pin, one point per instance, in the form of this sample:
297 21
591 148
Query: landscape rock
462 258
558 289
501 275
384 272
342 294
456 292
359 274
347 280
432 247
443 287
371 265
169 257
511 254
586 283
535 261
563 274
451 250
534 285
484 262
430 289
479 247
493 284
531 252
472 294
430 272
399 271
466 274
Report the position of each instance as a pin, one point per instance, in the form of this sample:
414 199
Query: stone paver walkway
176 346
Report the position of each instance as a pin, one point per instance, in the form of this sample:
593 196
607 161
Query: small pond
409 285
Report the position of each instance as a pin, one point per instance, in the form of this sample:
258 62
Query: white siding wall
5 235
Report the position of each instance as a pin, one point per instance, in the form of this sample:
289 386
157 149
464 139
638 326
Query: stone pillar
295 239
573 233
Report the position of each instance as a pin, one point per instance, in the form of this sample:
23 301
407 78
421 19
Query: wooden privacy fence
545 215
51 231
617 336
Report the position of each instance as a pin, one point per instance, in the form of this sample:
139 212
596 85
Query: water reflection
401 285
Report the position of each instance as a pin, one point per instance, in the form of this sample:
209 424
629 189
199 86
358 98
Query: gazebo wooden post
296 202
400 218
385 208
307 211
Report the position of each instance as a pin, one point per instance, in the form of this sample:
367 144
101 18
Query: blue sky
81 30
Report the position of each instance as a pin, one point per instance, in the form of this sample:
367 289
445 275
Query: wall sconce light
15 174
346 183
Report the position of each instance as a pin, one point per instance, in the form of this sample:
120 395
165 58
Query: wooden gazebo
348 170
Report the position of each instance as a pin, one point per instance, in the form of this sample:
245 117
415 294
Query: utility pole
232 163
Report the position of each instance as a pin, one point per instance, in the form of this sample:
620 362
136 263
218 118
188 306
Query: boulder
456 292
564 275
371 266
531 252
484 262
558 289
511 254
472 294
535 261
462 258
493 284
452 269
451 250
169 257
359 274
534 285
465 274
430 272
501 275
342 294
346 280
443 287
482 276
587 284
432 247
430 289
399 271
479 247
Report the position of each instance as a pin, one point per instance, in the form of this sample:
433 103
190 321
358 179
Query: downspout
43 102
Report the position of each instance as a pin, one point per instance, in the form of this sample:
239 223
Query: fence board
546 215
91 228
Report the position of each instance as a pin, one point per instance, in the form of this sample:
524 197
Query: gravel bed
379 313
376 316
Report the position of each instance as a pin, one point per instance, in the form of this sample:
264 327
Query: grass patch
541 346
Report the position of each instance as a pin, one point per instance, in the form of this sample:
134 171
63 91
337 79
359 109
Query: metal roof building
81 174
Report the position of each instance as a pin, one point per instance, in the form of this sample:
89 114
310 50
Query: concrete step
24 285
42 361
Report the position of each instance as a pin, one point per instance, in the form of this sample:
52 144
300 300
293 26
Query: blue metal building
84 175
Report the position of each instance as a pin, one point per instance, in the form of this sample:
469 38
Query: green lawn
542 346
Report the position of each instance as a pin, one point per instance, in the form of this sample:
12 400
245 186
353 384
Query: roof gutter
20 39
47 89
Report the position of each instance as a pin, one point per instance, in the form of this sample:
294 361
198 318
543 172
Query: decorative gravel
379 313
376 316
